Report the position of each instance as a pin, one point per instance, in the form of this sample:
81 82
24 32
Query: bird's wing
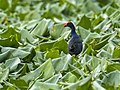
73 46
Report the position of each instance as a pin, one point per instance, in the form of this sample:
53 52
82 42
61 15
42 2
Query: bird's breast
75 46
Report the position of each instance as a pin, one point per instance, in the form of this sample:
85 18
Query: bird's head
68 24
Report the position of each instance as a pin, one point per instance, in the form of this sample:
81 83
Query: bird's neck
73 32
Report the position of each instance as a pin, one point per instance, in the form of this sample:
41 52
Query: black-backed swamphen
75 45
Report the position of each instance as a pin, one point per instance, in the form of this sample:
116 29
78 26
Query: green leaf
11 88
116 52
83 32
26 36
9 42
13 5
45 46
112 79
9 32
90 37
4 4
89 50
44 86
44 71
52 53
30 57
69 78
47 69
4 56
32 75
61 64
54 79
92 6
12 64
21 84
94 62
97 86
101 44
85 22
58 31
1 86
112 67
4 75
61 45
16 52
104 53
41 28
39 57
110 10
23 69
97 20
101 24
30 25
83 84
76 71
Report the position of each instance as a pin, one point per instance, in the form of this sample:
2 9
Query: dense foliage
33 45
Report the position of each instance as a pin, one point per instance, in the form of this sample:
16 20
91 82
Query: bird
75 45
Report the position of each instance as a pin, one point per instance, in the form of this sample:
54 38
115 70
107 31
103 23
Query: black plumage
75 44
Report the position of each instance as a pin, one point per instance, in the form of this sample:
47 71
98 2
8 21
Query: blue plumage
75 44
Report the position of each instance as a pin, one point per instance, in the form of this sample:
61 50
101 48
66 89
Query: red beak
65 24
